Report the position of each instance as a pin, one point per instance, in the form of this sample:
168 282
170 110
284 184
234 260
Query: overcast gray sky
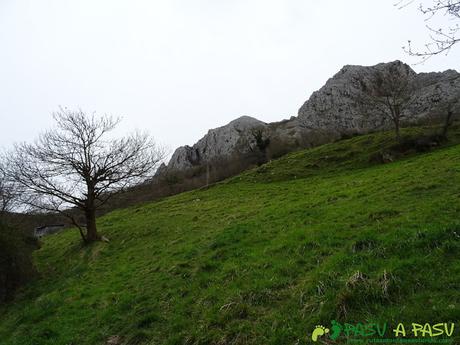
180 67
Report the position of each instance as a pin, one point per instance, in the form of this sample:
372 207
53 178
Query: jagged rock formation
337 105
222 142
331 112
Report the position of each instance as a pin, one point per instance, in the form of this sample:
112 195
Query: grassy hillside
319 235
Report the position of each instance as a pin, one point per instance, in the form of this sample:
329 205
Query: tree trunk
397 131
90 214
91 229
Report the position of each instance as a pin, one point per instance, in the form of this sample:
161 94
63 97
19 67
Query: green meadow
323 234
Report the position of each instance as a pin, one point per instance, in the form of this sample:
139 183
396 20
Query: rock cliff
338 105
334 110
222 142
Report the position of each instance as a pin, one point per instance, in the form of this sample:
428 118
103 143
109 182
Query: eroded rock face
436 92
222 142
331 112
337 106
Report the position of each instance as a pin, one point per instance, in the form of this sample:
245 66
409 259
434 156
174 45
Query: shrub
16 267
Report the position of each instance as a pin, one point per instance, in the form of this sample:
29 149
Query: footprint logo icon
319 331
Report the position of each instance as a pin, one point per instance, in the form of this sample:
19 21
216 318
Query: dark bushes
16 267
407 146
418 144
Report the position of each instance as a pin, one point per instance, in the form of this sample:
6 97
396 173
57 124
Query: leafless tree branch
442 39
390 93
77 166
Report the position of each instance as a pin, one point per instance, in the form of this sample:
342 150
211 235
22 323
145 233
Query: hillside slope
319 235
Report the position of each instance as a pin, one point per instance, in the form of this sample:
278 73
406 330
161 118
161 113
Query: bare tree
5 195
447 109
258 144
16 264
8 192
390 94
442 38
77 166
450 110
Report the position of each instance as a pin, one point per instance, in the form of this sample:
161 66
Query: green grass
318 235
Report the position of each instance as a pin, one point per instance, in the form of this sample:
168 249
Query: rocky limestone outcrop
222 142
339 106
335 110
